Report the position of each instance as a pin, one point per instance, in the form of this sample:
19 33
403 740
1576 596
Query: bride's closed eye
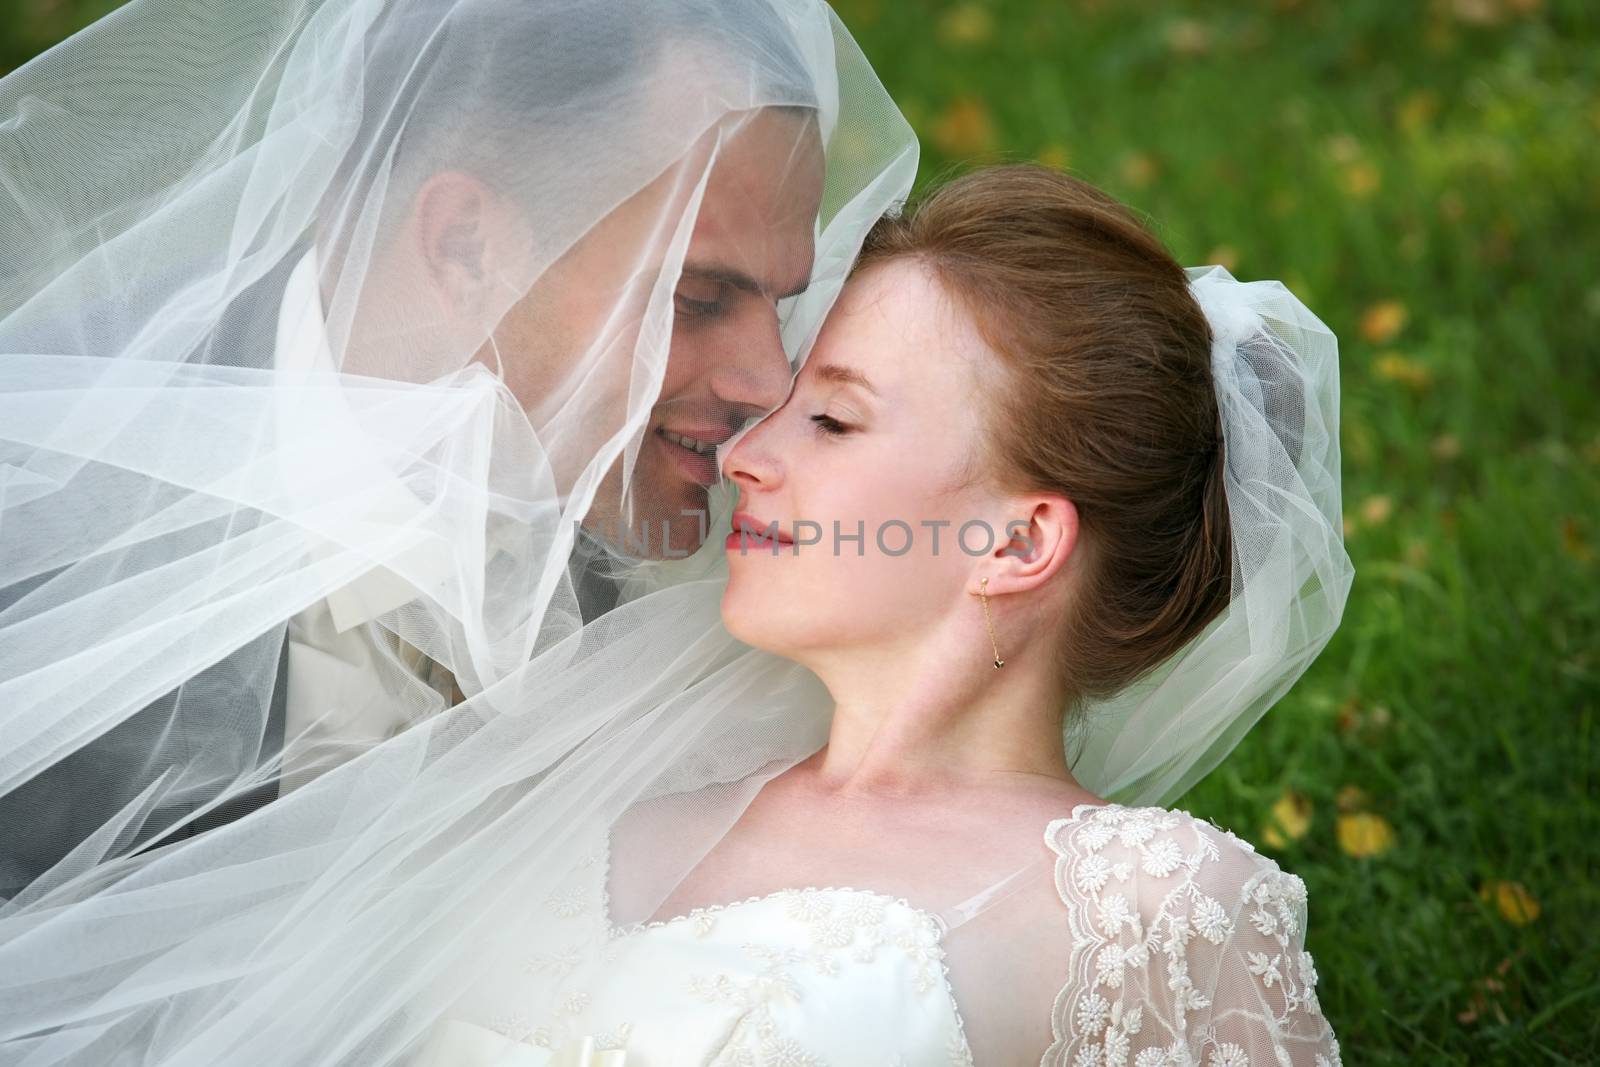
829 425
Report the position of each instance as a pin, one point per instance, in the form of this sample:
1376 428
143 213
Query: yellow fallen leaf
1417 110
1382 321
1289 820
1512 900
1363 834
1351 798
1225 256
1573 542
1417 553
966 24
1476 12
1360 179
1139 169
1348 720
1188 37
1342 148
1393 367
1054 155
964 129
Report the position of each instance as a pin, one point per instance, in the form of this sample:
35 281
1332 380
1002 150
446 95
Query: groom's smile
694 450
752 246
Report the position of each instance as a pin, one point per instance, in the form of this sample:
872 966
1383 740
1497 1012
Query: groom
752 244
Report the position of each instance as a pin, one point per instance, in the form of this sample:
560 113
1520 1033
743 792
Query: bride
934 884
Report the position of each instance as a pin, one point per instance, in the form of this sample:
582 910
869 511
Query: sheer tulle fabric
258 480
237 451
1276 371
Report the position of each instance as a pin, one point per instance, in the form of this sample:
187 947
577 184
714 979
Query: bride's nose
751 462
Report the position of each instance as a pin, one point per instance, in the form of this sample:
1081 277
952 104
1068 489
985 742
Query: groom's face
579 347
752 245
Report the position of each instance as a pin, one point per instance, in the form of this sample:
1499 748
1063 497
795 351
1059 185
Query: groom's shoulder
246 333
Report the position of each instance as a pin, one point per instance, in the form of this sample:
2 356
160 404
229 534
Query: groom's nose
753 373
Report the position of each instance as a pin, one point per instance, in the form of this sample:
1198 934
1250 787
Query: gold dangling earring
983 587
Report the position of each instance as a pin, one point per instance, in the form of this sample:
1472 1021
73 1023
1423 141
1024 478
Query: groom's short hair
486 71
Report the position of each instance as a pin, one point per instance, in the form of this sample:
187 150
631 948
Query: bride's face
875 437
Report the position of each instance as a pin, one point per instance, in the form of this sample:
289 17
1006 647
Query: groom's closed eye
703 275
700 297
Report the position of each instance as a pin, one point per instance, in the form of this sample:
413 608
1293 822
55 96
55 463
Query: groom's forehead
758 215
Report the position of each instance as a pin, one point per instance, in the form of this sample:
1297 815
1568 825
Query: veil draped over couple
519 546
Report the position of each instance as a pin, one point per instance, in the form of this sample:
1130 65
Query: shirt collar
302 355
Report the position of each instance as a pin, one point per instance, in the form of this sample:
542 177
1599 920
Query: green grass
1436 162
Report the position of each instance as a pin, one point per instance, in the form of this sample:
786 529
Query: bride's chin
741 619
733 622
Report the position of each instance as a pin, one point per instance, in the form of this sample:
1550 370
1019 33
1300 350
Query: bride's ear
1034 545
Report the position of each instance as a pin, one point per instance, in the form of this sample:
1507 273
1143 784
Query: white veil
1275 369
250 436
306 670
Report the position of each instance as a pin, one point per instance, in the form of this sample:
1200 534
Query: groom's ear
453 221
1036 543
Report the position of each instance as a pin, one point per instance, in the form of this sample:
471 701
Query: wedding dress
1187 946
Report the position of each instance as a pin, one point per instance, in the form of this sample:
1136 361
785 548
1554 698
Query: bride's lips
747 535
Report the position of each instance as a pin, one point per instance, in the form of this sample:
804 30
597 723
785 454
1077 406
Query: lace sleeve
1188 949
1264 1007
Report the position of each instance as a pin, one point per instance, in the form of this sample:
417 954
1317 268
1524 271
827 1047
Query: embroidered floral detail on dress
559 963
854 921
574 899
757 1042
1278 899
514 1024
567 903
1153 945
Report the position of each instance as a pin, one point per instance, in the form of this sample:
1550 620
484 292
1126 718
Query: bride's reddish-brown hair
1105 397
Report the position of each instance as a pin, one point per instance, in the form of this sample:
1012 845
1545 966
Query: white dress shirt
350 683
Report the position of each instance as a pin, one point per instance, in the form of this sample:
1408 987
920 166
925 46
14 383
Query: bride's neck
911 723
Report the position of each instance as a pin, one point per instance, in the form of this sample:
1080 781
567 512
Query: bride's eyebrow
838 372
